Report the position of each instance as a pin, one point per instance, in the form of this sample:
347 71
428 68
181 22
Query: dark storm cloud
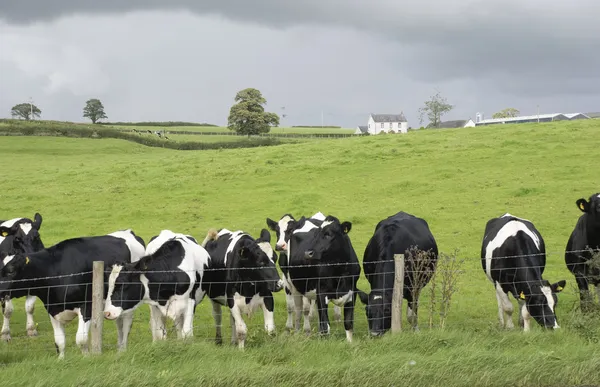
373 54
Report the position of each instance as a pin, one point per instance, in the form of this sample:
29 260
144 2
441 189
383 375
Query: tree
248 115
434 109
506 113
94 110
25 110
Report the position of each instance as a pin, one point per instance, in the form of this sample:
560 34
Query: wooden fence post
97 307
398 293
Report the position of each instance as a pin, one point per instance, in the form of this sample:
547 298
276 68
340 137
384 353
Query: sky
317 61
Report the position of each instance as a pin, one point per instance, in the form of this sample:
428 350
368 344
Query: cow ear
4 231
346 227
272 224
364 297
558 286
37 221
265 235
583 205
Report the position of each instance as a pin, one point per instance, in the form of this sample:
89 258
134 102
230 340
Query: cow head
590 206
541 302
256 265
24 235
125 288
11 269
378 307
330 237
282 230
264 242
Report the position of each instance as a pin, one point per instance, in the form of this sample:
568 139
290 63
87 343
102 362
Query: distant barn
533 118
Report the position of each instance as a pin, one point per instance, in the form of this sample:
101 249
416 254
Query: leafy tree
248 115
94 110
434 109
25 110
506 113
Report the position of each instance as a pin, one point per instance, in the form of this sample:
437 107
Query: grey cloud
343 57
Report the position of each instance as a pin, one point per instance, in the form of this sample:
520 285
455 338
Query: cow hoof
6 337
32 332
307 332
218 340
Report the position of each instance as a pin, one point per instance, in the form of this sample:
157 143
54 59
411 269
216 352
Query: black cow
585 235
61 276
243 277
513 257
323 266
283 229
19 235
167 278
401 233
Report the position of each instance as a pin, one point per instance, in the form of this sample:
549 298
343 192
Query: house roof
593 114
451 124
571 115
389 117
521 118
363 128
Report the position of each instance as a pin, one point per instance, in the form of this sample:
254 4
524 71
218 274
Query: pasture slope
456 179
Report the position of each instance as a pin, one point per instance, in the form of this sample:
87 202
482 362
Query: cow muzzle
112 312
281 246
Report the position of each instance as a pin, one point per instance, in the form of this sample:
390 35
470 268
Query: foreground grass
432 359
456 179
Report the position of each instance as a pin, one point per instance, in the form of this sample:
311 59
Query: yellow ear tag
26 260
522 296
4 233
559 288
581 207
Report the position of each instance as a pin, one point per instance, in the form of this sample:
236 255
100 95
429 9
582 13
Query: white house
394 123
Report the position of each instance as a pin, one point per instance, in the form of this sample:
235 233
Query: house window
369 126
382 124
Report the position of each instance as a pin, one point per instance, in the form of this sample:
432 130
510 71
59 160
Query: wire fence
429 288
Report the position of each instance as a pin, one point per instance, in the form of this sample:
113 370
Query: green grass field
456 179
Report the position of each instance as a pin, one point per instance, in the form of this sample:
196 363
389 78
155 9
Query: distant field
456 179
225 129
225 138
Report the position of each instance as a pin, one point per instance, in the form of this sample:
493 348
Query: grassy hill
456 179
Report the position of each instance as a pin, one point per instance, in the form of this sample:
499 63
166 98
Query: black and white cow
401 233
19 235
323 267
283 230
243 277
61 276
167 278
585 235
513 257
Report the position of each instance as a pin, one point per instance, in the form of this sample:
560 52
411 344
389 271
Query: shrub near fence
49 128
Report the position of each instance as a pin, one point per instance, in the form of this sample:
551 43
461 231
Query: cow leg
7 311
598 291
158 323
349 317
29 309
59 336
218 317
289 303
309 305
505 307
268 307
188 319
526 317
323 315
307 308
584 292
119 324
411 314
298 302
238 326
81 337
337 313
125 321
